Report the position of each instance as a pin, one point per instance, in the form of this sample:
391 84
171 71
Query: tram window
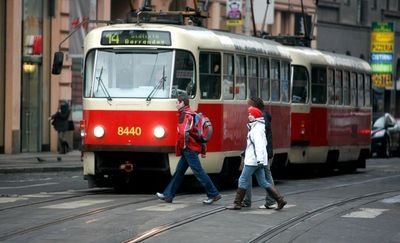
253 75
331 91
353 89
338 88
318 85
264 80
210 75
88 73
115 73
184 76
346 88
275 87
124 78
367 90
285 85
360 90
228 68
240 84
300 85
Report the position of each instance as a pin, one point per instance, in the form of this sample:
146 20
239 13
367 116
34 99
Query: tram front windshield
150 74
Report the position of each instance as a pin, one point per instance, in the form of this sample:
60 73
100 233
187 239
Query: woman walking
256 157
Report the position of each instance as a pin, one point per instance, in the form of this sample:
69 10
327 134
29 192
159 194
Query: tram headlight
98 131
159 132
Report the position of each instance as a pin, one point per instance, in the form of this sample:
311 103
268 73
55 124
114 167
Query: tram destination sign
135 37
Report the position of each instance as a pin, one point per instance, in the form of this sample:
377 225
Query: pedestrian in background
59 120
255 159
269 201
188 148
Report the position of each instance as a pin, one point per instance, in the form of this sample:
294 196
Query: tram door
31 107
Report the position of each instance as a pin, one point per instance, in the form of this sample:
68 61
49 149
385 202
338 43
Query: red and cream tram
132 76
330 109
133 73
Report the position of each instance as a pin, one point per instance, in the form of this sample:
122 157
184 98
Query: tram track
269 233
278 229
84 194
275 230
160 229
53 222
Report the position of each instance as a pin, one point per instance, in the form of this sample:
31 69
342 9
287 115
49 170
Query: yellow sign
386 37
234 22
382 47
382 80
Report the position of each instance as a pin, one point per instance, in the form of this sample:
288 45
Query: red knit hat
255 112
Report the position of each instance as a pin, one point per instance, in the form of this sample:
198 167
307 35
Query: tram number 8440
133 131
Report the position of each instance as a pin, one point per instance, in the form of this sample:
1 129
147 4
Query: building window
374 5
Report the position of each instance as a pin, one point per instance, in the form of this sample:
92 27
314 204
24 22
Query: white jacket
256 149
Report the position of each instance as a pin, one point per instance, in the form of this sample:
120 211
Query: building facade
32 30
344 26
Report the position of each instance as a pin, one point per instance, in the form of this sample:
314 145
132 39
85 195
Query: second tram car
134 72
330 109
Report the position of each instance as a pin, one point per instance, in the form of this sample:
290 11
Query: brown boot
237 203
277 196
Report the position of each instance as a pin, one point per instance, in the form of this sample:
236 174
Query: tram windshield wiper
160 84
101 84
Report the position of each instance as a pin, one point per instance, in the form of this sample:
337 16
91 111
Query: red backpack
202 128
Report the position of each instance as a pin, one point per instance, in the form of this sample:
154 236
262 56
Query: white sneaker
160 196
212 199
273 206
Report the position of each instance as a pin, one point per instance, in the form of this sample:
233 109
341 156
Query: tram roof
306 55
205 39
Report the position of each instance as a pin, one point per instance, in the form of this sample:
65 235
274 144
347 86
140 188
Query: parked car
385 136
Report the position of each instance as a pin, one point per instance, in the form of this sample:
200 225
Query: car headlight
98 131
159 132
381 133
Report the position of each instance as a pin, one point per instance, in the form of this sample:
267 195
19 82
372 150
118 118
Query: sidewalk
40 162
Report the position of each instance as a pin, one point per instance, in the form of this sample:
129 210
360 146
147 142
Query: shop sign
234 13
382 47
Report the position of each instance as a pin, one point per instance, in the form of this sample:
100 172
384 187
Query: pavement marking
28 186
14 198
76 204
366 213
395 199
11 199
39 195
260 211
163 207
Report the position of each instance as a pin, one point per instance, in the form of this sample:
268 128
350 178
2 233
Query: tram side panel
329 135
309 135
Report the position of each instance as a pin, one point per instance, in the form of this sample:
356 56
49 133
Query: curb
38 170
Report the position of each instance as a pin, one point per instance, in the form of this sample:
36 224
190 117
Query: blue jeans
190 159
268 199
247 172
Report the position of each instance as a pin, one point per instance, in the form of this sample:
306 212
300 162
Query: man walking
188 148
